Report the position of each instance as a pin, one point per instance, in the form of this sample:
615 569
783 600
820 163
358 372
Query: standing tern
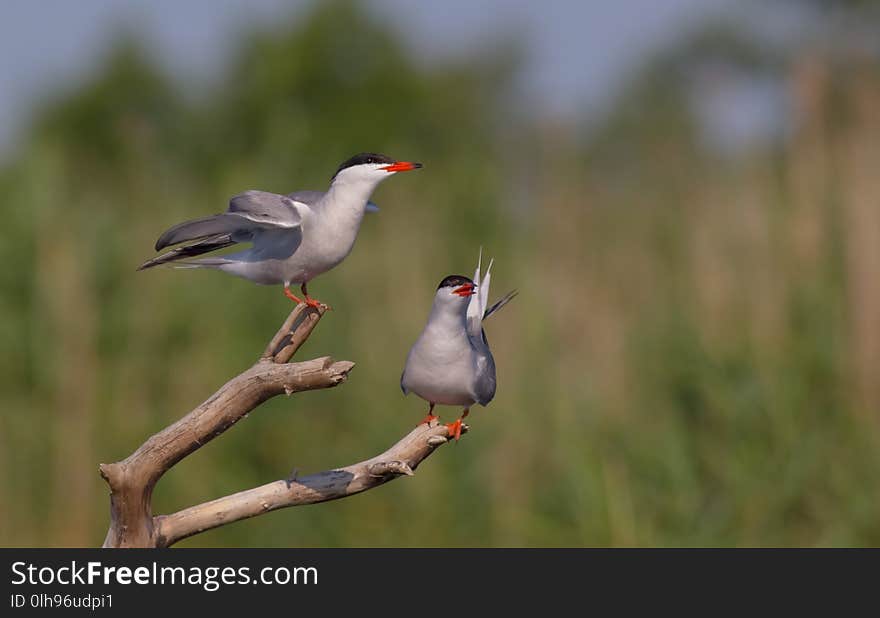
294 237
450 363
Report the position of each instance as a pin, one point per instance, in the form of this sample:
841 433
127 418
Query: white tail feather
479 301
483 290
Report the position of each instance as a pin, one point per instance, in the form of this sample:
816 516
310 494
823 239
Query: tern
294 237
450 363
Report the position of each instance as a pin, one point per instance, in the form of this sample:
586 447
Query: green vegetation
692 359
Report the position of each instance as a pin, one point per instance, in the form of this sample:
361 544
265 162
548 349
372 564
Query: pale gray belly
447 383
444 394
323 247
295 258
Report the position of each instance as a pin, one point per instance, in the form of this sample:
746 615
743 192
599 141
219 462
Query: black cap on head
454 281
365 157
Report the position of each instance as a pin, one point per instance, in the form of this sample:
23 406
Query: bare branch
293 333
401 459
132 480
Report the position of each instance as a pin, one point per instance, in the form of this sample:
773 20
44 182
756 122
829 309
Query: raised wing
247 212
309 198
269 209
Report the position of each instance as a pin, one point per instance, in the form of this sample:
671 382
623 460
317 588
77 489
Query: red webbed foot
454 429
315 304
428 419
311 302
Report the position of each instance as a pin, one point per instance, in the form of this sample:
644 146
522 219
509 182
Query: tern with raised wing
450 363
294 238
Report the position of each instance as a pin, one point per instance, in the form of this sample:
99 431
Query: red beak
402 166
466 290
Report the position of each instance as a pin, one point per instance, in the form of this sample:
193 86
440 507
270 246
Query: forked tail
478 309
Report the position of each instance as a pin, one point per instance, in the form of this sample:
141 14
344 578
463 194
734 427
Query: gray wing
309 198
484 386
248 212
477 311
268 209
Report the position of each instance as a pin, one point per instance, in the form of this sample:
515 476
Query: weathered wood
132 480
401 459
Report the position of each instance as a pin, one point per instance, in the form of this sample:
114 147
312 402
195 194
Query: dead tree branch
400 459
131 481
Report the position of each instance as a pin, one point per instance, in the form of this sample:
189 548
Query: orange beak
402 166
466 290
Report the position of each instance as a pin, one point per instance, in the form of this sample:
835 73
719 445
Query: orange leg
430 418
290 295
455 428
311 302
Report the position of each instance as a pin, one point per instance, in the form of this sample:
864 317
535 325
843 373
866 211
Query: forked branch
132 480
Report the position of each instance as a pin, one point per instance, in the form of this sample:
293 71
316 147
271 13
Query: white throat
346 200
447 318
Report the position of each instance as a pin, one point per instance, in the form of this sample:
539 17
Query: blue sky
578 52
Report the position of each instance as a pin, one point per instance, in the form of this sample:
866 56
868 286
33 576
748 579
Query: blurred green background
692 360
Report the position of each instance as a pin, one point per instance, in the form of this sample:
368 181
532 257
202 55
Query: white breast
328 237
441 370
